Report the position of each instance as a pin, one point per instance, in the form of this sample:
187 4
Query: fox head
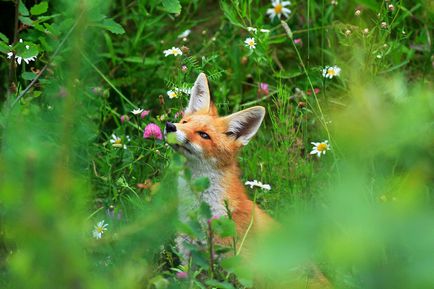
202 135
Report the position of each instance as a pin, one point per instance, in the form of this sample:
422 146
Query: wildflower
215 217
320 148
124 118
144 113
161 117
365 31
279 9
99 230
255 30
298 41
258 184
383 25
152 131
315 90
117 142
185 49
179 114
250 42
347 32
331 71
358 12
175 51
181 275
334 2
391 7
19 59
184 68
97 90
184 34
172 94
137 111
263 89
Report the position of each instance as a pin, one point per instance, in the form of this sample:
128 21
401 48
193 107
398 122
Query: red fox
210 144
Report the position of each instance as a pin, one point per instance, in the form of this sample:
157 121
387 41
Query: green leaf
171 138
158 282
112 26
39 9
218 284
172 6
22 9
26 20
224 227
4 47
4 38
23 52
28 75
200 184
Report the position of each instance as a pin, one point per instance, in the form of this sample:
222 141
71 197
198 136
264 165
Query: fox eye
184 121
203 135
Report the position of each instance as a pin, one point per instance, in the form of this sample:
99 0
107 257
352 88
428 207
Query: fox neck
221 181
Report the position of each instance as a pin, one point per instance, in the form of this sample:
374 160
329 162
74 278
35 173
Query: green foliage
37 9
73 154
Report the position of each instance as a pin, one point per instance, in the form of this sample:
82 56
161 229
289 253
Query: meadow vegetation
88 191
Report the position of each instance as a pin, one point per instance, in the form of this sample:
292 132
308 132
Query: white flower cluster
258 184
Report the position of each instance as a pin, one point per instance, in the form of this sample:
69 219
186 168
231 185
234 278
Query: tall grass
362 212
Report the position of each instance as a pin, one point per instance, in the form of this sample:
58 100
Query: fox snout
170 127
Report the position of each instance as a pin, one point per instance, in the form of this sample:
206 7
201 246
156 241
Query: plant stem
211 250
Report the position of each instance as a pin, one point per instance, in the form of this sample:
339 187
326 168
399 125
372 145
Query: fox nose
170 127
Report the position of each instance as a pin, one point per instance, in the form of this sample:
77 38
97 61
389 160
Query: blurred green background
363 211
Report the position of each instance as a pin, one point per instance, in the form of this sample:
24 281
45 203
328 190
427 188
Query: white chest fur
213 196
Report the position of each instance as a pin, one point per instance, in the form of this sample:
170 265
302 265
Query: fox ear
200 97
244 124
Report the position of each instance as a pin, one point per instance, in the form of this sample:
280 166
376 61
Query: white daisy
184 34
99 230
137 111
117 142
20 59
331 71
254 30
258 184
184 90
250 42
172 94
175 51
279 9
320 148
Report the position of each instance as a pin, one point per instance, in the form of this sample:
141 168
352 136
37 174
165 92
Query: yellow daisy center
331 71
100 229
118 141
321 147
251 42
278 8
